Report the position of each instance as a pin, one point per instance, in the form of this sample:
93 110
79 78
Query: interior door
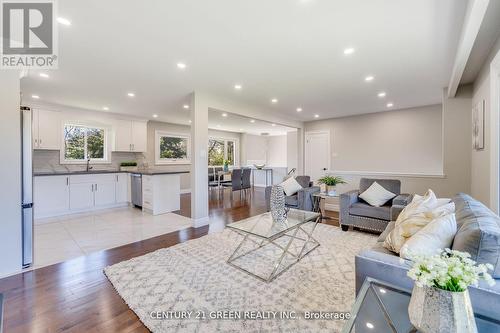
317 154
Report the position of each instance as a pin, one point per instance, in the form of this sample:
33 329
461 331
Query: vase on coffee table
277 204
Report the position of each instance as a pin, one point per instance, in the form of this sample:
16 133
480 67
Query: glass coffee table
268 249
382 307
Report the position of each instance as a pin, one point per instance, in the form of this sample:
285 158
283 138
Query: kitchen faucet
88 164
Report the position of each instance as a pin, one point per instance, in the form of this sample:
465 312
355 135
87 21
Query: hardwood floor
75 296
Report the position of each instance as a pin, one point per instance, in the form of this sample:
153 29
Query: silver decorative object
434 310
277 204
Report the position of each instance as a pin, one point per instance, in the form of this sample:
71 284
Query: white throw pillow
376 195
420 212
291 186
438 234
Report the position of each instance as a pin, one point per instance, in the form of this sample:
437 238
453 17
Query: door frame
311 133
495 133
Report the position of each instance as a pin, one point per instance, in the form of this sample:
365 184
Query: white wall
482 176
423 147
277 150
292 150
10 170
254 149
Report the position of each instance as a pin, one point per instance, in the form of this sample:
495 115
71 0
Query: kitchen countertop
96 172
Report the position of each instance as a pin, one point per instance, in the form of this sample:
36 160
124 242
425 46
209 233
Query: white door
81 196
317 154
139 136
51 196
123 139
105 191
122 195
49 130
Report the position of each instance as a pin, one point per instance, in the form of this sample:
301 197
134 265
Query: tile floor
62 238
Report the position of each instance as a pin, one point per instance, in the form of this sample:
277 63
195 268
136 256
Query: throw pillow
376 195
415 216
387 231
438 234
291 186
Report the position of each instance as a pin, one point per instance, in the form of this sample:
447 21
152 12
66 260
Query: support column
10 170
199 160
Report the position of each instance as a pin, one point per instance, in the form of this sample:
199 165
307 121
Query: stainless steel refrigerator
27 185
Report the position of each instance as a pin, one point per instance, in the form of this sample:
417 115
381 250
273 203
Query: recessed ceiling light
241 129
35 96
274 100
155 116
218 125
105 108
181 65
63 21
369 78
390 105
224 114
369 325
237 86
299 109
252 121
185 106
190 121
381 94
273 125
349 50
383 291
130 94
44 75
316 116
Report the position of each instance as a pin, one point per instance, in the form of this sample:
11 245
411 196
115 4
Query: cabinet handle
92 187
67 181
117 178
96 187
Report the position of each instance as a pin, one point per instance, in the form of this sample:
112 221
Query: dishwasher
136 188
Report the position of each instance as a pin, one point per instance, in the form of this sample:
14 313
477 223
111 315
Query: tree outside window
172 148
82 142
220 150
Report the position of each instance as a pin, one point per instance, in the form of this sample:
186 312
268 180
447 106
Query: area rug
190 287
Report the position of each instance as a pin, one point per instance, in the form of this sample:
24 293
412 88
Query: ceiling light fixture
252 121
63 21
241 129
381 94
390 105
238 86
185 106
369 325
224 114
190 121
349 50
155 116
274 100
316 116
105 108
35 96
299 109
181 65
218 126
130 94
44 75
369 78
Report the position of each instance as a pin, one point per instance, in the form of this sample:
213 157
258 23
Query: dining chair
245 179
235 183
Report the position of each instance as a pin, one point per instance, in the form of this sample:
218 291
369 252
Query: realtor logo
28 34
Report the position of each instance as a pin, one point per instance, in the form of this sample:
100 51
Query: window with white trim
220 149
82 142
172 148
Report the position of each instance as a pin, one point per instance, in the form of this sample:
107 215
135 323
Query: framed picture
478 126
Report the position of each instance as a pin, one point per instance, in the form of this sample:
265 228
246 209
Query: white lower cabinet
60 195
51 196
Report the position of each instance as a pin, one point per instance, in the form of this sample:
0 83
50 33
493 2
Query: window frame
236 157
106 147
166 161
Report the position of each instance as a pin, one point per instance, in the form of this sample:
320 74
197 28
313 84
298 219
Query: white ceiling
291 50
225 121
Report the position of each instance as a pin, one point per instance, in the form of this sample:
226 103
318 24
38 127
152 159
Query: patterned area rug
190 287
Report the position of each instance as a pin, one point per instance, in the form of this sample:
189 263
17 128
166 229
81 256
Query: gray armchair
356 212
302 199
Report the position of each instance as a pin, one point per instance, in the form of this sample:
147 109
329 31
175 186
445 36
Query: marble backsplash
49 161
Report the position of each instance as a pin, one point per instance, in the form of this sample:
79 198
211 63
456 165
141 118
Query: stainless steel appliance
27 185
136 188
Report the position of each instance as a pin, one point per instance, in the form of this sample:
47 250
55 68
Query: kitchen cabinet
130 136
161 193
122 187
51 196
47 129
81 197
105 191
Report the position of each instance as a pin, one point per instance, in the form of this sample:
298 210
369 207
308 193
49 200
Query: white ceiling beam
473 18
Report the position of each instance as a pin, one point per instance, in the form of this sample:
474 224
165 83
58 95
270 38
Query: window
220 150
82 142
172 148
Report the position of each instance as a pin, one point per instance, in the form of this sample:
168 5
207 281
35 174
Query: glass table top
264 227
382 307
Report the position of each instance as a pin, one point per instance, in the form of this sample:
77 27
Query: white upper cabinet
47 129
130 136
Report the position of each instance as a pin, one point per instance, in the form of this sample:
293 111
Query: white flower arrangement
449 270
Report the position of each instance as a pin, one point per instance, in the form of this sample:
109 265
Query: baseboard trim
200 222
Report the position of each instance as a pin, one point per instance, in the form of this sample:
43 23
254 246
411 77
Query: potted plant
128 166
331 183
440 299
226 165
